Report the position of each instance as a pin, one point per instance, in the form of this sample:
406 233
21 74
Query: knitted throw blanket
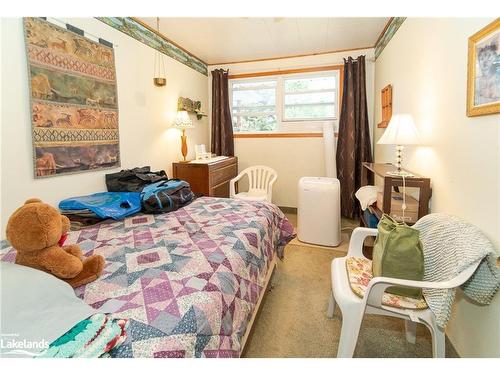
450 246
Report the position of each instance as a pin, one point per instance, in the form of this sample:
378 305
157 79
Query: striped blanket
450 246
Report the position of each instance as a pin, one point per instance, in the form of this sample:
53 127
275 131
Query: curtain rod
250 69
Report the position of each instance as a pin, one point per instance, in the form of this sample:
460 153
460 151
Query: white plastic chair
353 307
260 183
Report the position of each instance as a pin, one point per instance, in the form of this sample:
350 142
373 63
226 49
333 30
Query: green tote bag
398 253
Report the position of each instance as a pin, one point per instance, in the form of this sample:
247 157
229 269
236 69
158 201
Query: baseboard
452 345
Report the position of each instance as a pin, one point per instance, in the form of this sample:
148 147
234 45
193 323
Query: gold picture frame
483 71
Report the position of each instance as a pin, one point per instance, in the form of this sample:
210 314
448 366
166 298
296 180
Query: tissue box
411 212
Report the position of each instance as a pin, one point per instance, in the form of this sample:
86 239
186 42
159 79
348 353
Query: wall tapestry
144 34
74 106
483 73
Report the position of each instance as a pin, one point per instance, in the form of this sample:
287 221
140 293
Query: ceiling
223 40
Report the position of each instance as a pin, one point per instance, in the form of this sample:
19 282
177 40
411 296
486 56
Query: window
284 102
310 98
254 106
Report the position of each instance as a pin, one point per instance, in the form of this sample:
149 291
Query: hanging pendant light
160 74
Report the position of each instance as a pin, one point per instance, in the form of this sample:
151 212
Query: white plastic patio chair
260 184
353 307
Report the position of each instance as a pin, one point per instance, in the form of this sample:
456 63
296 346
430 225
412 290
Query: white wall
145 113
426 62
292 157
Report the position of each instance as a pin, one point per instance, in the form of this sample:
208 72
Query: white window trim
292 125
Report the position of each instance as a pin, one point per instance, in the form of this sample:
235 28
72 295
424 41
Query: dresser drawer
223 174
221 190
208 179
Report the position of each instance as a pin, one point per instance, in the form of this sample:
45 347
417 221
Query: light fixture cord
156 71
159 63
404 198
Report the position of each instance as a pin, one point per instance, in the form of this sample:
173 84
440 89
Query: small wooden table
208 179
368 173
370 170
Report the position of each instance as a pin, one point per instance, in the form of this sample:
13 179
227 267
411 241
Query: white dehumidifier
318 212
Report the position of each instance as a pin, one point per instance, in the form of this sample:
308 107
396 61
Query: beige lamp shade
401 131
182 121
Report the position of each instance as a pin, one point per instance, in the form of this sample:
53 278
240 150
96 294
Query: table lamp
401 131
183 122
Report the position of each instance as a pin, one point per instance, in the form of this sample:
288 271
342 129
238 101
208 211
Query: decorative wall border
389 31
144 34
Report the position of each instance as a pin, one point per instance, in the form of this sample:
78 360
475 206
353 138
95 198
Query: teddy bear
38 231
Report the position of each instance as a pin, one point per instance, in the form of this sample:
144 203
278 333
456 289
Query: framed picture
483 71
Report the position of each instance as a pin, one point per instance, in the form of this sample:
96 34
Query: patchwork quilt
188 281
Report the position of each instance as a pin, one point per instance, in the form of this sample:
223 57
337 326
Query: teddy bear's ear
33 200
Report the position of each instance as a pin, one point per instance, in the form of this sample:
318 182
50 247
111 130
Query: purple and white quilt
187 280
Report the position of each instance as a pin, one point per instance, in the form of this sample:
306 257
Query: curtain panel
222 142
354 145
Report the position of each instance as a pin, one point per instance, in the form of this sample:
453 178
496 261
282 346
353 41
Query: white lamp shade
401 131
182 120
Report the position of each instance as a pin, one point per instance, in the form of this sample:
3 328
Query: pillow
37 308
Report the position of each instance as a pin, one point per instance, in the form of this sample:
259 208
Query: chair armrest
378 285
357 238
232 183
270 188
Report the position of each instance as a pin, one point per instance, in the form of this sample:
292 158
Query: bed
189 281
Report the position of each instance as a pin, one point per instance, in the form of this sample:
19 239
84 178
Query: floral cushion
359 271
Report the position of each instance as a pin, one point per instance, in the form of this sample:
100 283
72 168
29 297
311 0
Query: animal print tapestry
74 107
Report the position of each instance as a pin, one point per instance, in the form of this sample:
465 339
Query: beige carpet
292 319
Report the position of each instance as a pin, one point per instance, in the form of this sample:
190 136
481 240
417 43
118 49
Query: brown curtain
222 127
353 146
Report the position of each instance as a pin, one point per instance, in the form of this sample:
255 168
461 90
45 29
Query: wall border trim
143 33
390 29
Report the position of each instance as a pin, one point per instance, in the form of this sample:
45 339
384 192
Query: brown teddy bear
37 231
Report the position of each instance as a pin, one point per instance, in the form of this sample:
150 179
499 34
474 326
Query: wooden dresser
208 179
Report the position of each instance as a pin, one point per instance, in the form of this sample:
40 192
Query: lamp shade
182 121
401 131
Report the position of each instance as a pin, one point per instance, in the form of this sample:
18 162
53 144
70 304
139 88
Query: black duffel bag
166 196
133 179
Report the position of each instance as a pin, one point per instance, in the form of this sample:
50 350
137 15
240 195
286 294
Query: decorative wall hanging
74 107
143 33
483 71
389 31
188 105
159 73
386 100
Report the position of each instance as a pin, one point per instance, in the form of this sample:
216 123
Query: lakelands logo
12 345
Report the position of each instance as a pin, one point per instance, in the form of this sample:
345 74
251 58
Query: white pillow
36 308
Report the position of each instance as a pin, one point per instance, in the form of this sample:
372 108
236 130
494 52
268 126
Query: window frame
306 127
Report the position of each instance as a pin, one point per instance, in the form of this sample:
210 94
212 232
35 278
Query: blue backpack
166 196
